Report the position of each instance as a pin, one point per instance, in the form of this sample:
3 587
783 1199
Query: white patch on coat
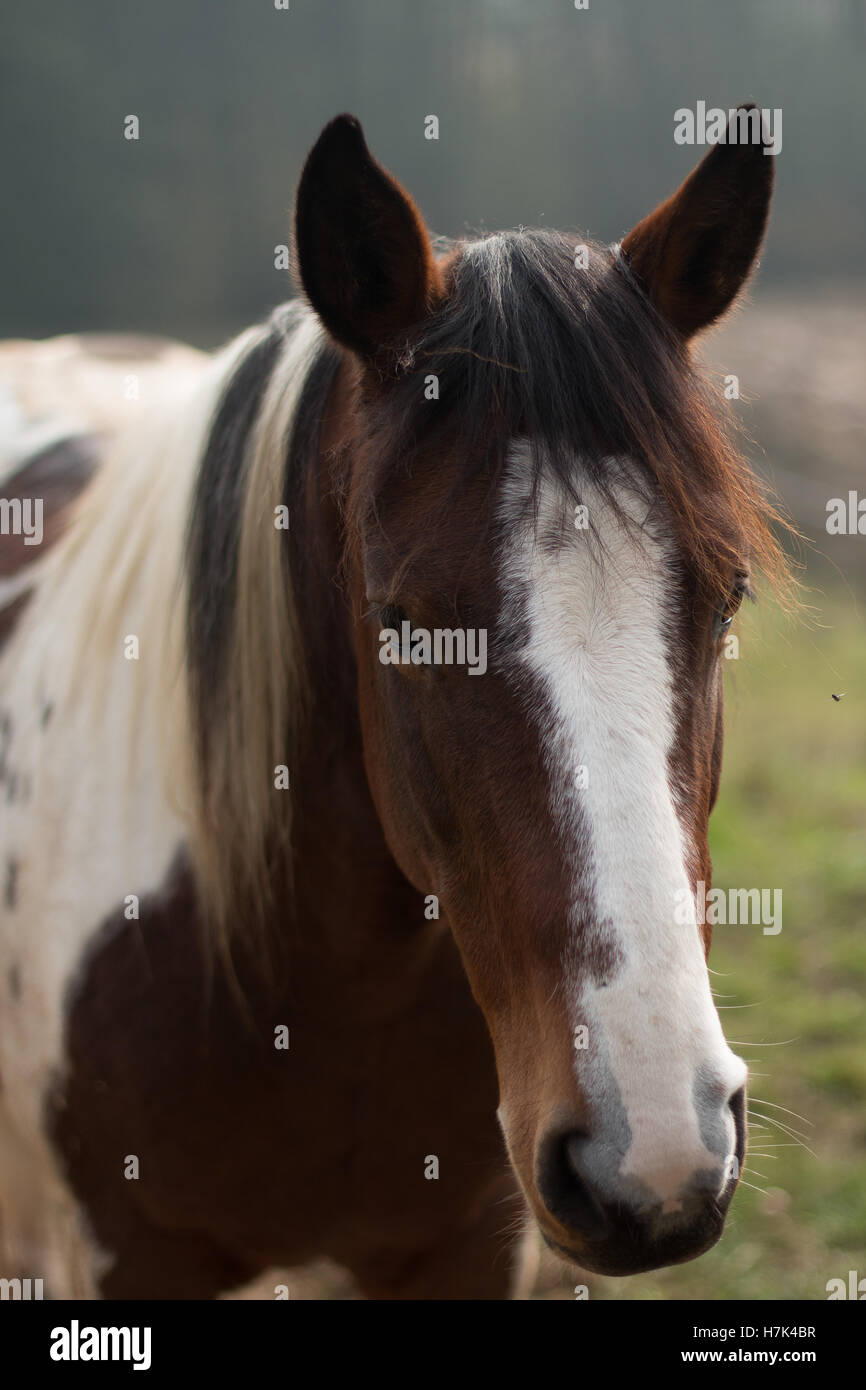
595 609
104 816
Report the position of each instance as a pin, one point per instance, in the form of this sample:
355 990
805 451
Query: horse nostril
737 1106
565 1189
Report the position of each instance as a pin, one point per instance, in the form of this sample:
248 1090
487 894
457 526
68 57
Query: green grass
792 815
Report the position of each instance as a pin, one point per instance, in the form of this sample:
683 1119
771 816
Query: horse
320 936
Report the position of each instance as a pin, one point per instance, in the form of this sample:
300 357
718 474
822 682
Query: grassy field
792 815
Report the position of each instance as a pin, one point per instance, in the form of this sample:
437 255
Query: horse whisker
773 1106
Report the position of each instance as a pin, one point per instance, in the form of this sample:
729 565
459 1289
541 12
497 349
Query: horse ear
365 258
694 253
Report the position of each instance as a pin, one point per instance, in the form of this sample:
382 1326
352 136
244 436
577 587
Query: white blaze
595 609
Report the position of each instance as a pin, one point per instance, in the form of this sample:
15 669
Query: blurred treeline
547 115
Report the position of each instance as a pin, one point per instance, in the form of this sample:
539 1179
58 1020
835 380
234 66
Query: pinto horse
312 945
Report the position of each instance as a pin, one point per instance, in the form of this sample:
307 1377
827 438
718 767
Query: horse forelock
527 343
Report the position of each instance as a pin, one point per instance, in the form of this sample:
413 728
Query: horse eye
392 615
726 613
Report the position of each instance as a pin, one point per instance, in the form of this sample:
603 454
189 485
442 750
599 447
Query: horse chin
632 1253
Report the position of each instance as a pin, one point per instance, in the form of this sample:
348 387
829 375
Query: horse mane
173 541
244 656
577 361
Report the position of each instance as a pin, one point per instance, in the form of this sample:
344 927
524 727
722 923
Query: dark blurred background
562 117
548 115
